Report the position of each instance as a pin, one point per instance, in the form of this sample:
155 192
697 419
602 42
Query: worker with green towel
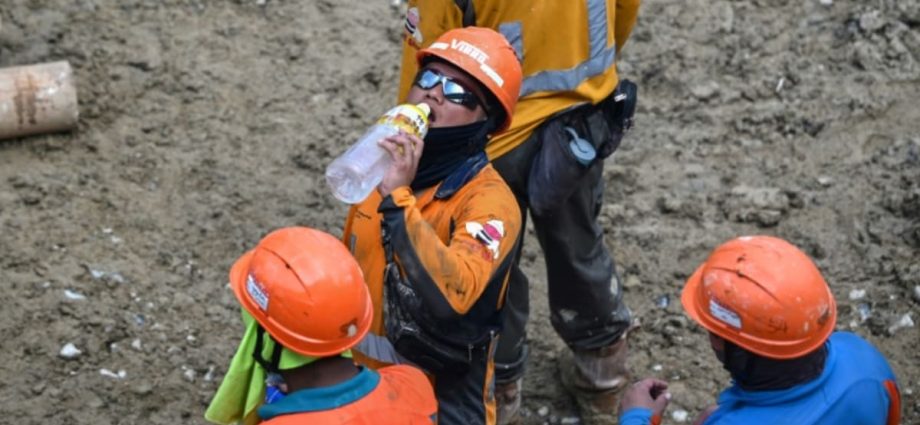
305 305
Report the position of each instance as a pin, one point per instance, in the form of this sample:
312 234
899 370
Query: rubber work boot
596 379
508 402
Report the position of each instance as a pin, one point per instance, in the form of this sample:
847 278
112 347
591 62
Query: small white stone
779 84
96 274
657 368
70 351
679 415
825 181
904 322
826 2
632 281
857 294
189 375
136 344
191 338
864 311
917 293
73 295
543 411
570 420
105 372
705 91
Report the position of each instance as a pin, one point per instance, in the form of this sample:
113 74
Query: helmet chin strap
271 366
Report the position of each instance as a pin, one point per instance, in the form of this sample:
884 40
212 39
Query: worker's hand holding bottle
405 151
354 174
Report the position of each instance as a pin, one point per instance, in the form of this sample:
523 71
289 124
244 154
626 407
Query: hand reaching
649 393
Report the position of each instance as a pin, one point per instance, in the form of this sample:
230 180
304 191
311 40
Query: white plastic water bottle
353 175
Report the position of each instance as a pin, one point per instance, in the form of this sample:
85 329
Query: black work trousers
585 293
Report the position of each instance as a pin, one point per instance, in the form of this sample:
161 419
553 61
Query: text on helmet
473 52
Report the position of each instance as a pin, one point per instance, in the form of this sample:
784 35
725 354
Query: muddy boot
508 402
596 379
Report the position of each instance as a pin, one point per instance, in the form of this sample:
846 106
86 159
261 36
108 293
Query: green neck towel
243 388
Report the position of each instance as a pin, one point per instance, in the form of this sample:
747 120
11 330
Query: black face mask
757 373
447 148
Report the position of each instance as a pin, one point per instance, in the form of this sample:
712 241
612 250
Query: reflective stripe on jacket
567 48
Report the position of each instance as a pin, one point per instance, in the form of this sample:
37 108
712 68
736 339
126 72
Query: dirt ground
205 124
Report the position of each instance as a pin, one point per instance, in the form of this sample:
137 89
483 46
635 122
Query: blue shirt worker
770 316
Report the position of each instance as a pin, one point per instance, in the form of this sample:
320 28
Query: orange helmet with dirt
306 290
487 57
763 294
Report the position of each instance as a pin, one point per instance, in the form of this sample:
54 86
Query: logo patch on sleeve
489 234
257 292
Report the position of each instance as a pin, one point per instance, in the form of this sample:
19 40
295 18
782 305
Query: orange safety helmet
763 294
485 55
306 290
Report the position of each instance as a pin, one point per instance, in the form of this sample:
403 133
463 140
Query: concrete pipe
37 99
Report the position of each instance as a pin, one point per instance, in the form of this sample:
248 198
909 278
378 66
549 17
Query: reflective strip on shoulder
601 56
512 33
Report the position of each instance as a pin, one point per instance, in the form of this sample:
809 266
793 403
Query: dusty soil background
205 124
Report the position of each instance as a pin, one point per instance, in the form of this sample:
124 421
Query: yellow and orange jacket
567 50
452 243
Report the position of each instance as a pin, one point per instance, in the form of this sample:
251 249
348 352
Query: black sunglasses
453 91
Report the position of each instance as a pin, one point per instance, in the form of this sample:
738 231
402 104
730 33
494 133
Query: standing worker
436 239
305 304
771 318
573 111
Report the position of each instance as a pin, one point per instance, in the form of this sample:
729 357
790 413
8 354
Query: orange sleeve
450 277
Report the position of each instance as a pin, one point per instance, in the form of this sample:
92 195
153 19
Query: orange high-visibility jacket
455 240
567 49
402 395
